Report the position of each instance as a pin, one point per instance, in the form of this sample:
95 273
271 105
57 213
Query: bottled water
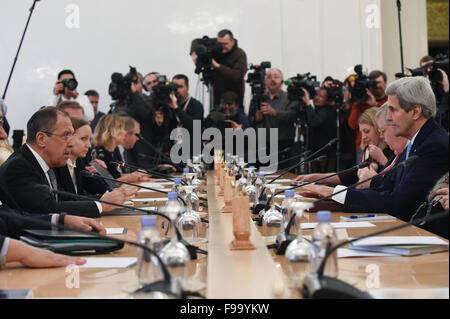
148 267
286 207
324 238
259 184
176 185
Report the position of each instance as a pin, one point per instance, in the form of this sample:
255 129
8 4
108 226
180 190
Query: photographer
66 89
375 98
276 112
187 109
321 119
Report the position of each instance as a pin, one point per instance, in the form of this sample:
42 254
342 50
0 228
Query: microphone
318 286
262 204
157 151
192 249
329 144
144 170
90 174
168 285
285 238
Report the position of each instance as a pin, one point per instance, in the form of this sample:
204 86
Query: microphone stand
18 50
168 285
329 144
192 249
320 286
399 8
157 151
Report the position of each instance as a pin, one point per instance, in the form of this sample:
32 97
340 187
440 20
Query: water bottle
324 238
148 266
259 184
184 178
172 201
176 184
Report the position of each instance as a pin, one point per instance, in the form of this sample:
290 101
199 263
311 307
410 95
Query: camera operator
66 89
275 112
150 80
375 98
321 119
440 85
230 68
187 109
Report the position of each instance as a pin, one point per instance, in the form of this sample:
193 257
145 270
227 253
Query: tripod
302 129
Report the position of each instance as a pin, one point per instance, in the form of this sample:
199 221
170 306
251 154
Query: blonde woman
110 133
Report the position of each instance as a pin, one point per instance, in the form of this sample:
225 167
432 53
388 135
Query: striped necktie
53 181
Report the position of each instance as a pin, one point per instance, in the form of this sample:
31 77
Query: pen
362 216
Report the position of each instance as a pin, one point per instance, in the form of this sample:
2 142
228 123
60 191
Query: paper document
156 199
116 231
340 225
109 262
282 196
400 240
345 253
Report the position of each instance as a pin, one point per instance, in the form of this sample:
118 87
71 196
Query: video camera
71 84
162 91
336 92
257 81
120 86
295 84
434 75
359 84
206 49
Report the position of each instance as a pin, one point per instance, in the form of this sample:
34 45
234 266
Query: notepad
282 196
346 253
401 245
155 199
109 262
152 185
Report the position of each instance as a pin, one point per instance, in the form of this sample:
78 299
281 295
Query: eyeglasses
66 136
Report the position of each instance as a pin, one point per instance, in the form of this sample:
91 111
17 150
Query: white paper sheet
109 262
115 231
340 225
400 240
156 199
345 253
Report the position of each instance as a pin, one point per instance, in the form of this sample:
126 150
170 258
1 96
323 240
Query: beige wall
414 34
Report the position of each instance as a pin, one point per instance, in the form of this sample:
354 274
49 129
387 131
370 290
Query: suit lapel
26 153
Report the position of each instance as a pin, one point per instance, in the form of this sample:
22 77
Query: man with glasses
48 146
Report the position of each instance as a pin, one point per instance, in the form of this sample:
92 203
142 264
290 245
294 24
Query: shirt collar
71 164
40 160
414 138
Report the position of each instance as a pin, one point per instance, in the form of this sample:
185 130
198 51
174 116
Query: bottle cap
186 170
177 180
261 174
323 216
148 221
289 193
172 195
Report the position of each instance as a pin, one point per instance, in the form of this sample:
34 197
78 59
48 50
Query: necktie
53 181
390 165
408 149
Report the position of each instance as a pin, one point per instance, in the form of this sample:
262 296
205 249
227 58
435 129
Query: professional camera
295 84
335 92
120 85
206 50
434 75
257 81
71 84
162 91
218 117
359 84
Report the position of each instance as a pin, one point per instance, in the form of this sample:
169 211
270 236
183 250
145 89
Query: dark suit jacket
85 185
403 191
19 176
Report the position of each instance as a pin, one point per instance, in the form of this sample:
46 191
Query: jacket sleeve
237 70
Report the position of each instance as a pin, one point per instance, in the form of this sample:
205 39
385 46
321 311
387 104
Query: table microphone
144 170
318 286
86 173
191 248
284 240
157 151
169 285
329 144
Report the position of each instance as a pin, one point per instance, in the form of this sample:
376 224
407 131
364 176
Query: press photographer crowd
148 106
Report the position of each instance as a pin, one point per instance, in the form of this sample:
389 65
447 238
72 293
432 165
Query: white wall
324 37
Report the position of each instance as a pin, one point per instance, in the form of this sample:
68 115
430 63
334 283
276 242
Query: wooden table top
224 274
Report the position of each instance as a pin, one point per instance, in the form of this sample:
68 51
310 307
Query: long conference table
249 274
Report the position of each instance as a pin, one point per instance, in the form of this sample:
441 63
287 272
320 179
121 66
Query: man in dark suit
50 134
411 111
